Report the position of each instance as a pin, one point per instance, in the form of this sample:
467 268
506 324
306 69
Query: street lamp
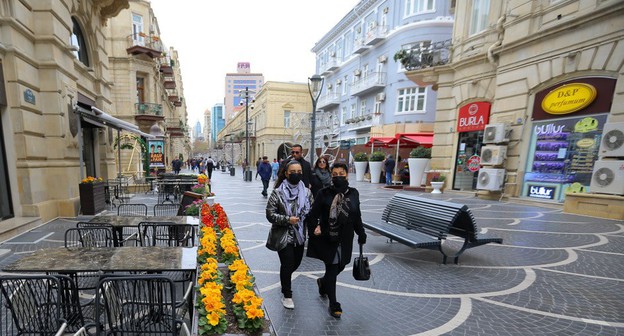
315 86
247 172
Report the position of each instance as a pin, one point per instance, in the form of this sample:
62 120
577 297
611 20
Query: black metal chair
128 209
37 304
142 305
89 237
166 234
166 209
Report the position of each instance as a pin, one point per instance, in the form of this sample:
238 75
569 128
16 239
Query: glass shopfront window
467 163
562 152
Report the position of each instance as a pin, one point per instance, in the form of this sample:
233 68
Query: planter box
360 169
92 198
375 170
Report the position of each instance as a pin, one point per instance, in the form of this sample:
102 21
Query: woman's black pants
328 281
290 259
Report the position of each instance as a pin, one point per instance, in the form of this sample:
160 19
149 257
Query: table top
70 260
125 221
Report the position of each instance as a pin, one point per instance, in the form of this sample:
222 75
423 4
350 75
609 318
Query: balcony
376 35
359 46
329 100
331 65
172 95
421 63
142 44
371 82
170 84
148 112
166 66
361 123
175 128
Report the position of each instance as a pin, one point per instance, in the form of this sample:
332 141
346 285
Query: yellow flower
255 313
214 318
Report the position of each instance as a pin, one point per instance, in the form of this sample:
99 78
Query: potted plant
375 162
437 182
361 161
92 195
418 160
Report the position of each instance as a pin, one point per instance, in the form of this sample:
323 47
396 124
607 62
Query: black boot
335 310
319 283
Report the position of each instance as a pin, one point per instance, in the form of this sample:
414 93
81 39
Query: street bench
424 223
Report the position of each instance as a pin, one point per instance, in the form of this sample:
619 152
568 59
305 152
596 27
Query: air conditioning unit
329 86
496 133
338 82
381 96
332 54
608 177
493 155
612 143
357 72
491 179
383 59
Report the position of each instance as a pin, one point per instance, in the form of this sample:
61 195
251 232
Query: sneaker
320 287
335 310
288 303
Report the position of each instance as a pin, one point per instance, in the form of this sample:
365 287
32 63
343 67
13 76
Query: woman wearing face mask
287 209
334 217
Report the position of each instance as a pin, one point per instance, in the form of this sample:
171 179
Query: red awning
414 140
381 142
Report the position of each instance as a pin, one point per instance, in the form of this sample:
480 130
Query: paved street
555 274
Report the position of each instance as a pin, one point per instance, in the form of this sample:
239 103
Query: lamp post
247 172
315 86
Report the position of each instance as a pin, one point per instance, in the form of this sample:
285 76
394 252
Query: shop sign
537 191
569 98
474 163
473 117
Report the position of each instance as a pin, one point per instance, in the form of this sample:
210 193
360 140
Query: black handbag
361 268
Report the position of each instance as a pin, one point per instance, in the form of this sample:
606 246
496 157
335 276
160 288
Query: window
78 41
362 108
413 7
378 107
353 110
343 115
344 85
479 16
339 53
137 29
286 119
140 86
411 100
347 44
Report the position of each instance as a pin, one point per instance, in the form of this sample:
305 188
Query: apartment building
236 82
533 99
366 93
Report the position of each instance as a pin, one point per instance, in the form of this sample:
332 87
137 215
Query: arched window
78 41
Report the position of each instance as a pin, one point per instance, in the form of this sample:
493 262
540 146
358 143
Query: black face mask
294 178
340 182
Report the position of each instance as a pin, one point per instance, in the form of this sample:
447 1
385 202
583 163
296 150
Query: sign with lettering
569 98
474 163
29 96
156 153
473 117
543 192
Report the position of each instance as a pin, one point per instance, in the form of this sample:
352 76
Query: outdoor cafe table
117 259
133 221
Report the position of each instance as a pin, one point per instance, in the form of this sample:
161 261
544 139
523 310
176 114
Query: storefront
568 119
471 122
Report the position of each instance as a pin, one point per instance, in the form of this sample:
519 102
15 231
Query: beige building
549 70
278 118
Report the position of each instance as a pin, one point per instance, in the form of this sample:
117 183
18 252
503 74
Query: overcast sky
212 36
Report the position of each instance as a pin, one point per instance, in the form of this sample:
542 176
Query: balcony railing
148 109
329 100
142 44
331 65
376 35
437 53
359 46
166 66
373 81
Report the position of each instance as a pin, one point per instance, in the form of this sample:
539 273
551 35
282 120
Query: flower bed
226 299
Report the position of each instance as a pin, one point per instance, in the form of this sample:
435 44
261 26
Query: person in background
258 166
210 164
287 210
265 170
274 168
334 218
297 154
321 176
389 168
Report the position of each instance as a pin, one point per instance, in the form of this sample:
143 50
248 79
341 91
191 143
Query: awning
118 124
380 142
414 140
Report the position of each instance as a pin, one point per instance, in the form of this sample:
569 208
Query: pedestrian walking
274 169
334 218
258 166
321 176
265 174
296 153
287 209
210 164
389 168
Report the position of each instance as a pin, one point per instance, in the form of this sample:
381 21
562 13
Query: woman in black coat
334 218
321 176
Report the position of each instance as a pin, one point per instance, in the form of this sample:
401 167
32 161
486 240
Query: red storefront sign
474 163
473 117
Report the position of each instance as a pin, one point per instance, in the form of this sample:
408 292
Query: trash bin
223 169
248 175
232 171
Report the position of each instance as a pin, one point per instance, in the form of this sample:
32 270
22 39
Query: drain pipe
499 42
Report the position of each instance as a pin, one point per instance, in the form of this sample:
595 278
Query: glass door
467 159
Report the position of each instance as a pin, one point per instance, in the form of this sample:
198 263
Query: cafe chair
89 237
128 209
166 234
141 305
166 210
38 305
117 232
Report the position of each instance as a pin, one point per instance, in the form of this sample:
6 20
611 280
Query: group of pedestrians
314 204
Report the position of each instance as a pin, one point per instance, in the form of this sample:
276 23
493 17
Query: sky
212 36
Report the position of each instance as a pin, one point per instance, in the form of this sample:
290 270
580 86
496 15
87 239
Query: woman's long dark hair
281 174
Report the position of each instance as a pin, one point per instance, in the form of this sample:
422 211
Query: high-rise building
218 121
238 81
197 131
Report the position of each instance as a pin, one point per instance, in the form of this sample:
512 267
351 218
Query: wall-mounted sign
473 117
474 163
543 192
29 97
569 98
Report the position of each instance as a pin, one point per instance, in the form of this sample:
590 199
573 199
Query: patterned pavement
555 273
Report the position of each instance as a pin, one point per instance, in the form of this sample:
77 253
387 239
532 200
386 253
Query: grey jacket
282 232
